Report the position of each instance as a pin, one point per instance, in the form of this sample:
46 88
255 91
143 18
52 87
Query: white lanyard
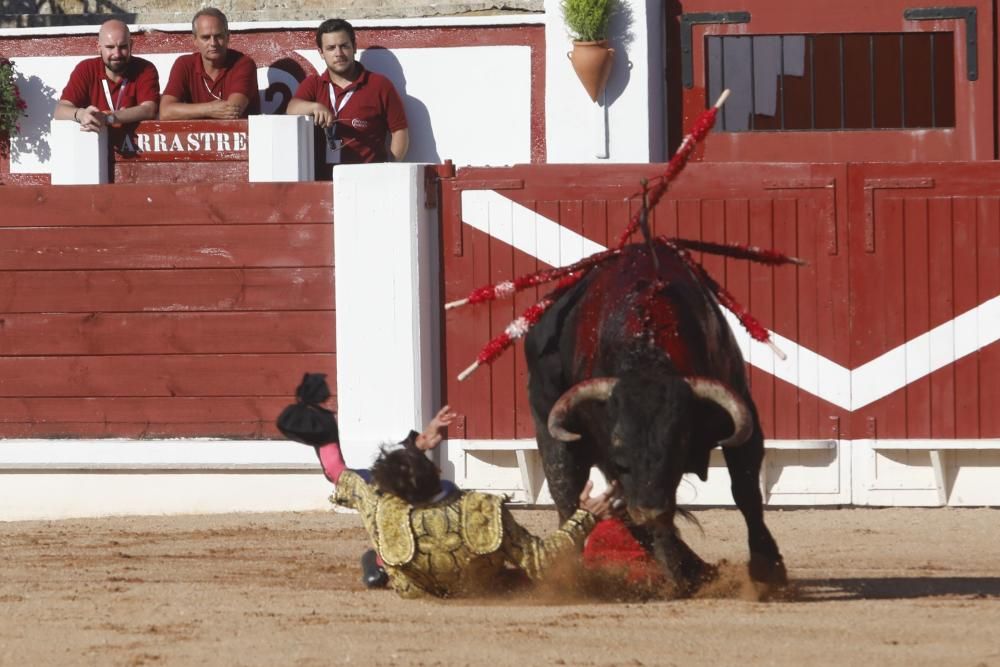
333 153
107 94
337 108
210 90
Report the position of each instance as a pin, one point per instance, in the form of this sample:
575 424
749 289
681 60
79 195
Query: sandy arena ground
876 587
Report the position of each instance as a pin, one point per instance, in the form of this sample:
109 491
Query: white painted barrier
55 479
385 257
78 158
280 149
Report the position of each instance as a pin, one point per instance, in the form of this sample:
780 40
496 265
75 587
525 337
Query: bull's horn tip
455 304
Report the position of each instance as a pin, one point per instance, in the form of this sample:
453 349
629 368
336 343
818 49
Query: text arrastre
181 141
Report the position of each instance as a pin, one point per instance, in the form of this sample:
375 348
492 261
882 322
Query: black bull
635 371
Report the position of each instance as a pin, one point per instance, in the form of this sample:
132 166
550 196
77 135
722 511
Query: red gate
552 212
890 329
925 274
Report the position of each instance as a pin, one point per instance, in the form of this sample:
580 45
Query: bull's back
641 308
628 311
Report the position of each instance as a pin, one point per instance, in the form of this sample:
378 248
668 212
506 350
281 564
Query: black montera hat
306 421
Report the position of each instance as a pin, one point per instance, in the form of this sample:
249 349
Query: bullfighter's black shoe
373 575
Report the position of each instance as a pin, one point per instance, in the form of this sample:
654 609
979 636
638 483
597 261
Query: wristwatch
110 119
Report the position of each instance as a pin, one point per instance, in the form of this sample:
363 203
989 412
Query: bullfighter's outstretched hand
602 505
434 432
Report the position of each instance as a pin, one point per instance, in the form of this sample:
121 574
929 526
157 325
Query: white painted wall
630 122
471 105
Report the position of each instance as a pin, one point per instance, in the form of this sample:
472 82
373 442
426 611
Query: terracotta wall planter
592 62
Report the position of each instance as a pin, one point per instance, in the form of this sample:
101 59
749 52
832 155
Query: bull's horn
724 397
595 389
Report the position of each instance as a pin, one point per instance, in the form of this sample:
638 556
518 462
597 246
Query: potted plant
11 105
587 22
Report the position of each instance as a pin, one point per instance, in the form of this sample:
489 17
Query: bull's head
656 424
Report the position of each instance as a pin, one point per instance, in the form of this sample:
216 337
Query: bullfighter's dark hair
214 13
406 472
334 25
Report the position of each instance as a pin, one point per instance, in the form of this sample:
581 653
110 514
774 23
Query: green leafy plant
12 106
587 20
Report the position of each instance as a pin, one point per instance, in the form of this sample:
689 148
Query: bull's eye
616 440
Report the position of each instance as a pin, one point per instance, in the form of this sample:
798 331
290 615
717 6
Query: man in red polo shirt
113 88
356 107
216 82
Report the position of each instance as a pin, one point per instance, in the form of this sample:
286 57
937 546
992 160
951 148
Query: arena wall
888 396
389 217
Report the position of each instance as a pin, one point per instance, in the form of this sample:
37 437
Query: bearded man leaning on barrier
112 89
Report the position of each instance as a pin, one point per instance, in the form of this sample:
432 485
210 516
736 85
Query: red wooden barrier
159 310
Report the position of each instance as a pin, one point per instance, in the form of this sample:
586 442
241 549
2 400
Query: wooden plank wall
161 310
935 255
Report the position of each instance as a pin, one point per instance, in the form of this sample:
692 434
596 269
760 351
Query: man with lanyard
113 88
216 82
357 108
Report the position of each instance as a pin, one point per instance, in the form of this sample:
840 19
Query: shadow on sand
896 588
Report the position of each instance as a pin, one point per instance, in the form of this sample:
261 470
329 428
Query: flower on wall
12 106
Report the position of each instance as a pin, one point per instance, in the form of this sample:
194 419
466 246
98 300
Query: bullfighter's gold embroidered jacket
459 545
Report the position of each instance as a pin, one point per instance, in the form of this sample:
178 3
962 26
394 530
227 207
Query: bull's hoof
692 577
767 570
704 574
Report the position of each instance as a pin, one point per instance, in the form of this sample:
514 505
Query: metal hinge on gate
699 18
433 174
828 183
873 184
968 14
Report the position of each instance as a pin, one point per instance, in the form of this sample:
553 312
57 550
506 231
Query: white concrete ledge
189 454
59 479
243 26
933 444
